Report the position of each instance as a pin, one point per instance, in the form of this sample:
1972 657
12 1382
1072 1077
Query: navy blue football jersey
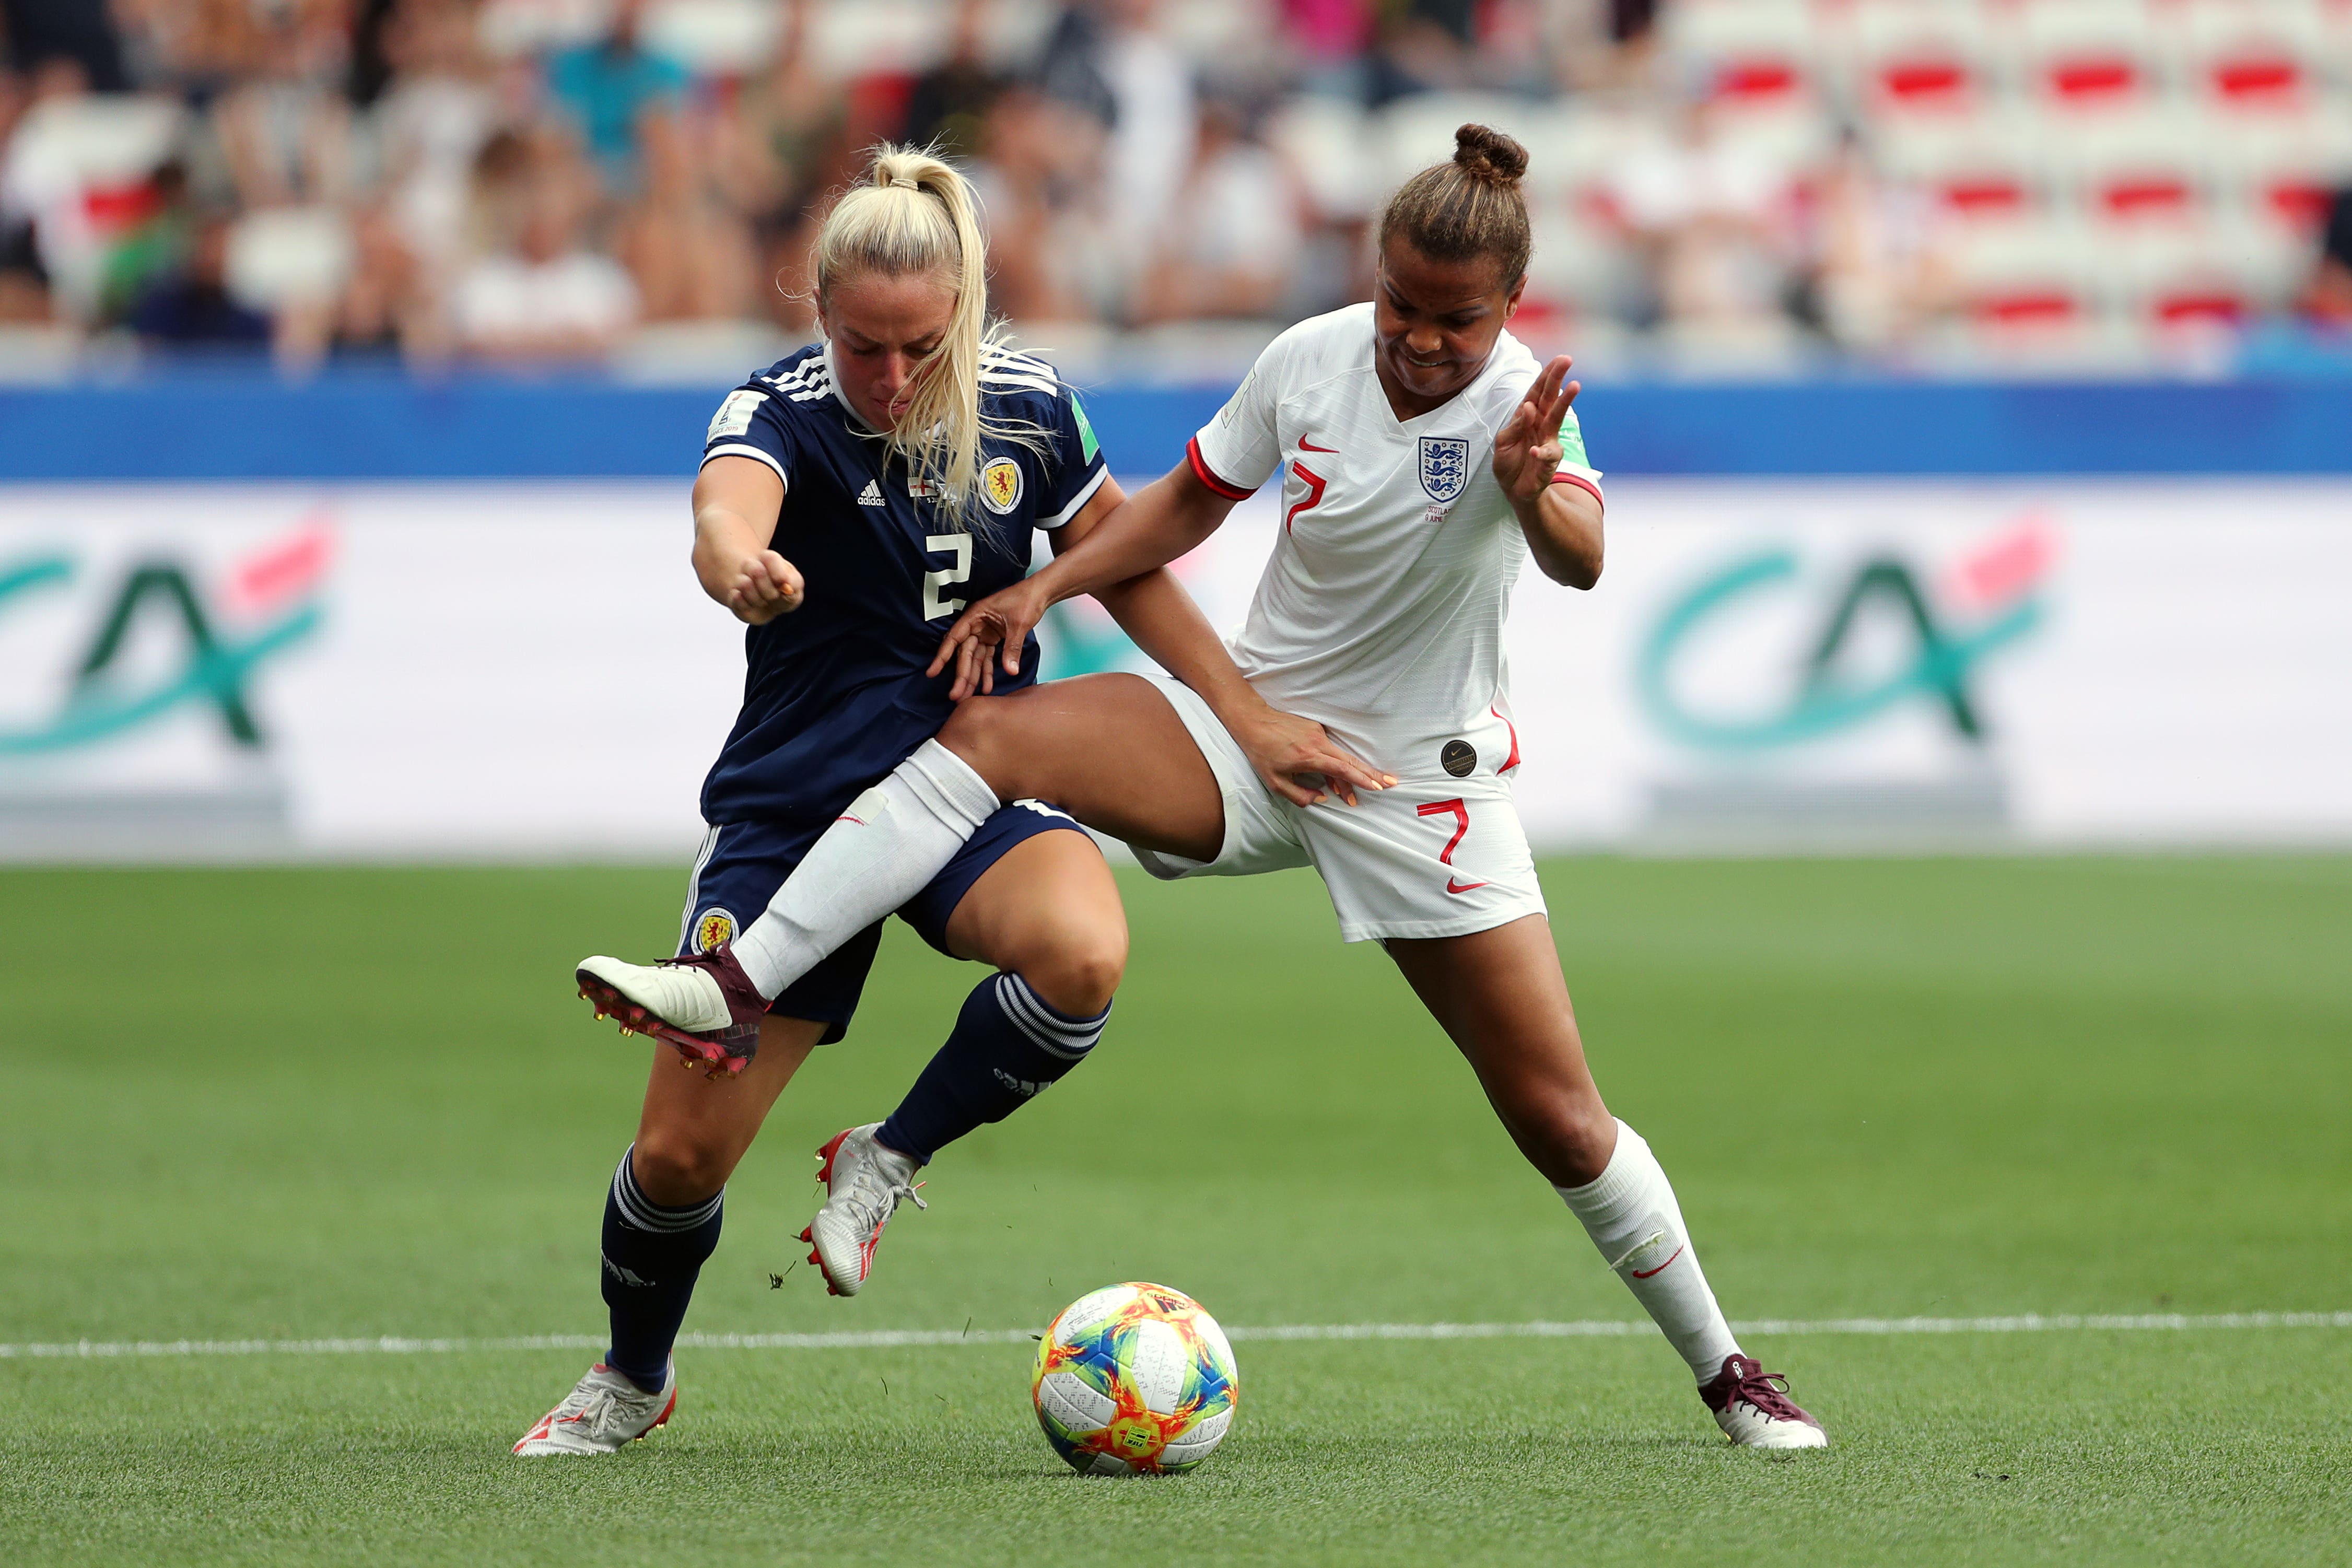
834 695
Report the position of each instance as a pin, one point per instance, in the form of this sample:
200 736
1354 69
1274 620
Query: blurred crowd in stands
1937 184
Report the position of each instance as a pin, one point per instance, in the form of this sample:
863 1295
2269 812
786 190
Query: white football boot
604 1414
1754 1409
865 1184
701 1002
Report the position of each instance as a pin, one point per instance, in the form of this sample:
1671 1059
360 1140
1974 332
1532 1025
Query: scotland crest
1444 467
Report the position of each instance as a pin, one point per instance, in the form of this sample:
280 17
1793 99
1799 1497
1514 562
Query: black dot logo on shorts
1458 758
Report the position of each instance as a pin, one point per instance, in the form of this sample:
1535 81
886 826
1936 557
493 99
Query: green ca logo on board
276 595
1945 648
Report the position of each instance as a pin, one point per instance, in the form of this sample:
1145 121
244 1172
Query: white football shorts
1435 855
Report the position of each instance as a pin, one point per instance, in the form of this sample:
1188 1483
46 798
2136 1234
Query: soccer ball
1135 1378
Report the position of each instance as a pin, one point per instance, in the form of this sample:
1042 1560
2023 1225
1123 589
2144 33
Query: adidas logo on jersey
871 495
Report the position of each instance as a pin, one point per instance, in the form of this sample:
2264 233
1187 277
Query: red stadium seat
1912 58
2086 56
2252 59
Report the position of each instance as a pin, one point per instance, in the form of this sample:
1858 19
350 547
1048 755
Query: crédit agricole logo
1950 623
224 630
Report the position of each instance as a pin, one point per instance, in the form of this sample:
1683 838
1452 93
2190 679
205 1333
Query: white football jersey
1381 611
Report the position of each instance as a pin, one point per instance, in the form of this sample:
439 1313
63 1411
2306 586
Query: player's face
882 331
1436 321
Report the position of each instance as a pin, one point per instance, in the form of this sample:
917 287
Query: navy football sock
1007 1045
652 1257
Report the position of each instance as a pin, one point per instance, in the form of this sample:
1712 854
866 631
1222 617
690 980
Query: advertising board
527 671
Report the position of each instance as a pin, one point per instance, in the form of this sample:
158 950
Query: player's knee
1078 970
981 731
675 1168
1581 1135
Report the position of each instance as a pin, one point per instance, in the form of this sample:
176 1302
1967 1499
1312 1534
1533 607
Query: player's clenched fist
765 585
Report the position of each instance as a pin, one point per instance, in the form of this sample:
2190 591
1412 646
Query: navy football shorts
743 863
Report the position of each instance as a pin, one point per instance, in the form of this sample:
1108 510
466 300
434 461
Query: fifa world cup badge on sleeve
734 415
1444 467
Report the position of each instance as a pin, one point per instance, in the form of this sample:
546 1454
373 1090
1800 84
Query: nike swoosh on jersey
1306 445
1452 887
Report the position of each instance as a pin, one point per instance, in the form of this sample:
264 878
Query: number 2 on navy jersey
958 545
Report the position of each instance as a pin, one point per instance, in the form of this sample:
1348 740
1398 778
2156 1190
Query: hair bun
1487 153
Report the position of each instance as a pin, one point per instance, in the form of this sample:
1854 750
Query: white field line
1590 1328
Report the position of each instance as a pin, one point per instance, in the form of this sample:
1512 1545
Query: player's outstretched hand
1300 762
766 586
989 633
1527 448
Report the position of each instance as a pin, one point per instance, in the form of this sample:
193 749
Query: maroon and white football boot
1754 1409
703 1004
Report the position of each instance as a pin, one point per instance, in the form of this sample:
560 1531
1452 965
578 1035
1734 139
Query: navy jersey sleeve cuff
1077 502
744 449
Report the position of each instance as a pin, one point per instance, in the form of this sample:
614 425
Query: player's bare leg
1109 750
1500 997
1047 917
662 1220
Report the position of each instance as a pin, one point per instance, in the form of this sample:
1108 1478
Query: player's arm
1561 519
736 501
1098 552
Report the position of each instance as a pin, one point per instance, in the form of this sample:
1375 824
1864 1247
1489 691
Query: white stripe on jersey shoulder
997 354
796 377
1077 502
1000 381
741 449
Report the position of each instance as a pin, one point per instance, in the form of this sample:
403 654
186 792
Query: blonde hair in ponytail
916 214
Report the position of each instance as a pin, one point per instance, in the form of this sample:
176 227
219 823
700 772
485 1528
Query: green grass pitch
265 1104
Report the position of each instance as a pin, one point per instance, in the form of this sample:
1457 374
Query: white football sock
883 850
1631 1214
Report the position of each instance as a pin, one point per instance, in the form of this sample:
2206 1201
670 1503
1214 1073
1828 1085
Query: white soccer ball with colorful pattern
1135 1378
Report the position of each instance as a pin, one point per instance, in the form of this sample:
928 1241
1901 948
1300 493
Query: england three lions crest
1444 467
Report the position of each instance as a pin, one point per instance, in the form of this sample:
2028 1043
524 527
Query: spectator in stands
1708 212
23 281
430 121
689 251
1880 264
2329 298
1230 241
1328 40
38 31
611 88
948 102
537 293
1038 171
157 245
190 307
286 131
787 142
1111 59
